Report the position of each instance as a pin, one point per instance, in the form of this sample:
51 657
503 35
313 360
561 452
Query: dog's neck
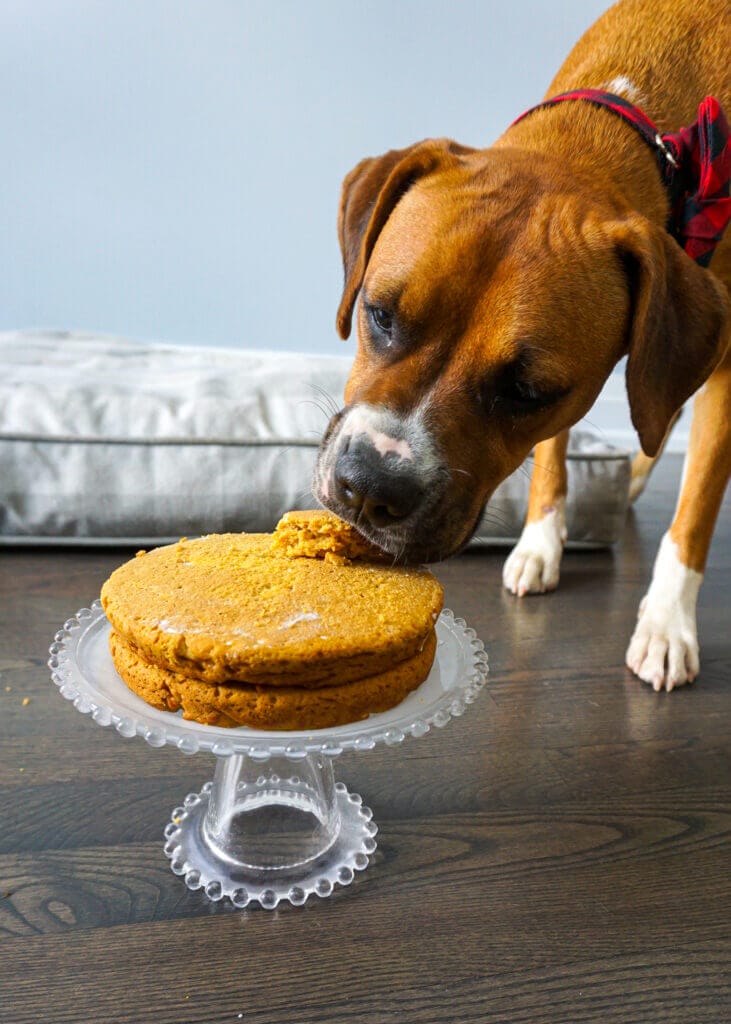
601 149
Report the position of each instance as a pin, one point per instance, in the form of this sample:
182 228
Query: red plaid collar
695 164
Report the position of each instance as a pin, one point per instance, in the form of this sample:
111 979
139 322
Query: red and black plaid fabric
695 164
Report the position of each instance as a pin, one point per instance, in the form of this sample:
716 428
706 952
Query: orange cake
251 629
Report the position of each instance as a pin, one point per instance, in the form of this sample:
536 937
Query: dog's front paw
663 650
533 565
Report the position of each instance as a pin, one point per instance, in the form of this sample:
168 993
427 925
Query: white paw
533 566
663 650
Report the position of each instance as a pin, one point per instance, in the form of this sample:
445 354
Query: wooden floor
562 853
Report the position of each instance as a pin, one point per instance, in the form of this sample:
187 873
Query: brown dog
499 288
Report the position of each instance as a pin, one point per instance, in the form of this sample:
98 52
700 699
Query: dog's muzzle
376 488
381 472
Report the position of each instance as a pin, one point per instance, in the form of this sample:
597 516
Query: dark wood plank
561 853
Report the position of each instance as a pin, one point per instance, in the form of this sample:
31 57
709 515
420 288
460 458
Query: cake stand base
272 831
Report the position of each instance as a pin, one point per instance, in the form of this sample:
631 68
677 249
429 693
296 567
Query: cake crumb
26 701
317 533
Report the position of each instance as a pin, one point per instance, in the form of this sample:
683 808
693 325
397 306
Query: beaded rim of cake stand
193 737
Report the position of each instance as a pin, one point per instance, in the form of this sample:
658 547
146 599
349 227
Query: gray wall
171 170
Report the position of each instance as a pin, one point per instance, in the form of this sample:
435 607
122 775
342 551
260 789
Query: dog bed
109 441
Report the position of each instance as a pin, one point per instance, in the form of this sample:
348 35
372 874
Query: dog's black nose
365 483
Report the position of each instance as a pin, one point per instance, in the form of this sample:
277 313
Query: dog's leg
643 465
664 648
533 565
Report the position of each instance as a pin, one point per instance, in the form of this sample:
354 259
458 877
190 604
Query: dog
497 289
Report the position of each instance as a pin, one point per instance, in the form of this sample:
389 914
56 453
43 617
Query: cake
303 629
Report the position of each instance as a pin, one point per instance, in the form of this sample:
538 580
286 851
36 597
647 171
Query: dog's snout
365 483
381 471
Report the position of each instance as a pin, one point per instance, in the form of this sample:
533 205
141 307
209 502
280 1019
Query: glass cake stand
273 824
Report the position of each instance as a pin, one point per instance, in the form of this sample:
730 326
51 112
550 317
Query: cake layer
269 707
229 607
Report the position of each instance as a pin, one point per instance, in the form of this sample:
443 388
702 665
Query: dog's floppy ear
369 194
676 333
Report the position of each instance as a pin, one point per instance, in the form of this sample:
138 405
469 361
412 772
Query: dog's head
497 292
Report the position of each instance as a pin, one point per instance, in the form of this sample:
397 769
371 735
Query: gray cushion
103 440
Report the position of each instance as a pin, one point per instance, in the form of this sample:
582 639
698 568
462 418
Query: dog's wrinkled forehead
431 238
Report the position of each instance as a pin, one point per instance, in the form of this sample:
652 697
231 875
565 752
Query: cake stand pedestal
273 824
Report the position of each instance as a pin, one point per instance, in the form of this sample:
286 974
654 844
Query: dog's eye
382 319
519 397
